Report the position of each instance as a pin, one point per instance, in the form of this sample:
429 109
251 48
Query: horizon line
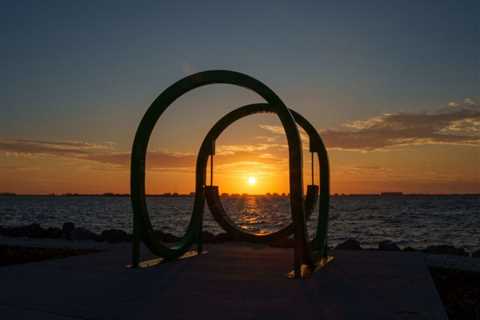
191 194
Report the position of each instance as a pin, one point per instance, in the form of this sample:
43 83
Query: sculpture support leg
135 243
199 239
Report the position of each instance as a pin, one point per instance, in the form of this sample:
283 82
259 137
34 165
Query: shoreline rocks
388 245
70 232
83 234
350 244
67 229
115 236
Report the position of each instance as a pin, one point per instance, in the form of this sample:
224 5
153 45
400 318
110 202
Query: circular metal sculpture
142 226
207 149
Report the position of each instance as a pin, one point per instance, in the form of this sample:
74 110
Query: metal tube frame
142 227
316 146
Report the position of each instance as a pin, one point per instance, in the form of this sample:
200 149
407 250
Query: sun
252 181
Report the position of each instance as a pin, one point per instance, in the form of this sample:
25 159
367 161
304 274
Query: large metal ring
142 225
316 146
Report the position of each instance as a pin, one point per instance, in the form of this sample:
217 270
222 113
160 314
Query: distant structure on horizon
383 194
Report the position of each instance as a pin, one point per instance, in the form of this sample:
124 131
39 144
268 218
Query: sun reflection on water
254 217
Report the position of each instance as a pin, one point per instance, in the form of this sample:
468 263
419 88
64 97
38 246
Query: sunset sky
393 88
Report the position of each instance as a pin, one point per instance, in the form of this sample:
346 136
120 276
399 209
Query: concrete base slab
232 281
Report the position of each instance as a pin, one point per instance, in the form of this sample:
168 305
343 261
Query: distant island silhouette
225 194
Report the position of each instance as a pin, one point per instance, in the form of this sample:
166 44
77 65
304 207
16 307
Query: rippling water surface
415 221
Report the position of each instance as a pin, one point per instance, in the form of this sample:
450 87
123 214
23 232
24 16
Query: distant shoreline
175 195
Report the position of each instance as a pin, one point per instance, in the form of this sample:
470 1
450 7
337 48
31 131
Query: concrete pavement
232 281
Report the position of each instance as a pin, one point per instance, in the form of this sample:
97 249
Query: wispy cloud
273 129
155 159
235 148
102 153
269 139
459 124
278 130
58 148
159 160
246 166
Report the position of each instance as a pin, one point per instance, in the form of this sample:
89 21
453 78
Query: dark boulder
53 233
409 249
83 234
115 236
446 249
388 245
476 254
34 230
350 244
67 229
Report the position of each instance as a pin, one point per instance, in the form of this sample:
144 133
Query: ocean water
416 221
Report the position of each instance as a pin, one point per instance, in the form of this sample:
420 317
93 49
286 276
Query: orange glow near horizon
245 162
431 171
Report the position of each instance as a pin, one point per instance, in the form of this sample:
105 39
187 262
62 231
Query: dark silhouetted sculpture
308 255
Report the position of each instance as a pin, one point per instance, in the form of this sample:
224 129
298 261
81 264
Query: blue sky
87 70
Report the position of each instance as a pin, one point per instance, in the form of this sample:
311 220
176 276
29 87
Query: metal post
313 179
211 170
135 243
